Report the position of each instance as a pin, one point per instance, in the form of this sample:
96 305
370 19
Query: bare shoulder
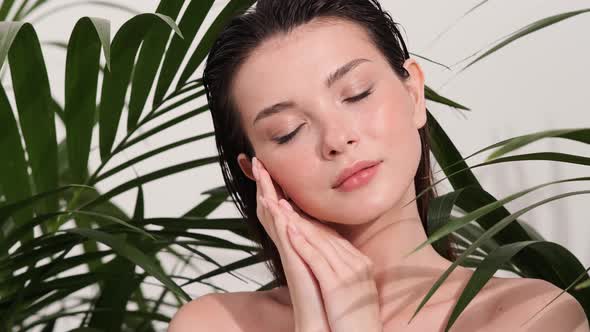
210 310
519 310
231 312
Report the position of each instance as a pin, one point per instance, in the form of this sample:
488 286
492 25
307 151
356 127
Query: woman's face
330 130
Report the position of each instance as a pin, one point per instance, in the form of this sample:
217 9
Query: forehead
278 67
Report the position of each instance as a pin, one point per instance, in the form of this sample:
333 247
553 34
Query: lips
354 168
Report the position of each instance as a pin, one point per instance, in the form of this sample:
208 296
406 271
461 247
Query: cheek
294 175
388 122
404 142
399 140
304 183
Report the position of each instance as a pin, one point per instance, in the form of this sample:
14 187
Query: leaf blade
148 61
116 81
81 82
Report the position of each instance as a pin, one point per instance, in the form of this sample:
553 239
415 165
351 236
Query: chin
368 210
383 198
369 203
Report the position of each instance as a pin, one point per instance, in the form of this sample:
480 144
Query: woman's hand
344 274
306 298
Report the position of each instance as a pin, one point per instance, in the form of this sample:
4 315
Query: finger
318 263
356 259
304 214
264 188
341 254
286 205
268 184
311 222
280 224
346 245
267 190
262 211
265 218
255 170
294 208
318 240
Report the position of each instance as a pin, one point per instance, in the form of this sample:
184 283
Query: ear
246 166
415 86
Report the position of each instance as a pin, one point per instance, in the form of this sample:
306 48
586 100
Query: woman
320 122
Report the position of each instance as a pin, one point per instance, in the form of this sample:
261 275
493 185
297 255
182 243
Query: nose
339 136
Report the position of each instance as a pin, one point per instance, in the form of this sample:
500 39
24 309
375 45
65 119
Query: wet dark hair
241 35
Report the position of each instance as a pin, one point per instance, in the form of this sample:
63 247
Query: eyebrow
329 82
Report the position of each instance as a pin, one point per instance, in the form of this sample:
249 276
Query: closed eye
287 138
357 98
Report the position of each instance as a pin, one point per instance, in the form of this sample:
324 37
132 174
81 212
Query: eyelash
357 98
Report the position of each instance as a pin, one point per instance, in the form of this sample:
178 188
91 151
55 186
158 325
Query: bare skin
332 134
503 305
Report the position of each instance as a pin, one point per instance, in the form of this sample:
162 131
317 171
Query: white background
541 82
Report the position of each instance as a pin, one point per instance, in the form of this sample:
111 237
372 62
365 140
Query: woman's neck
392 236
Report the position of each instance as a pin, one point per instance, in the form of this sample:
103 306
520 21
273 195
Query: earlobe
246 166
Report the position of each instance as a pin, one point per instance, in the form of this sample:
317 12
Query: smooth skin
333 129
344 274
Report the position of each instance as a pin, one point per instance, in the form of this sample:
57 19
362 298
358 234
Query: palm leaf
489 233
132 240
59 9
5 8
150 56
192 19
560 259
581 135
526 30
133 254
115 82
82 66
29 76
460 176
14 180
430 94
234 7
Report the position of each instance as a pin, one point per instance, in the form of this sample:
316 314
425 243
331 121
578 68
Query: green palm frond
50 205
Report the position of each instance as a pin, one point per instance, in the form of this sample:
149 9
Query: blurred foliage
50 205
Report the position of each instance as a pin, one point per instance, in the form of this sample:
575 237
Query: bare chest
396 315
398 307
432 319
435 317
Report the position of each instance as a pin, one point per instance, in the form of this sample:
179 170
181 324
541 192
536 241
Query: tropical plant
53 217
